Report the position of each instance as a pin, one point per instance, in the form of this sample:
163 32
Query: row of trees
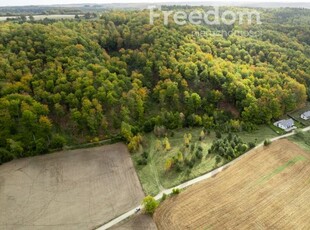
229 147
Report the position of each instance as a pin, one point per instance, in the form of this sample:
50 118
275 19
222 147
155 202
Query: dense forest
88 80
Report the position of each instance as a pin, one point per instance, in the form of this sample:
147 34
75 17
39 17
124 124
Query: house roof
286 123
306 114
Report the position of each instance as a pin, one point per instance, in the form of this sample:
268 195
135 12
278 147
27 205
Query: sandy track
77 189
268 189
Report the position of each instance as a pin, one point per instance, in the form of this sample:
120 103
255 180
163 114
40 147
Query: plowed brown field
137 222
77 189
267 189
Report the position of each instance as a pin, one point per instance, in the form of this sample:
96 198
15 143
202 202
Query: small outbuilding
305 115
286 125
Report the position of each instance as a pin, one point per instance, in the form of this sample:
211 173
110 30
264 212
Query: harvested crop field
77 189
267 189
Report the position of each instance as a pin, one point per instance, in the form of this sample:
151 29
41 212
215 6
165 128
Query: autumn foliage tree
121 76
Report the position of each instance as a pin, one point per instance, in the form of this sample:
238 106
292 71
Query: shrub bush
145 155
142 161
5 156
251 145
178 166
160 131
198 154
57 142
218 159
267 142
164 197
175 191
218 134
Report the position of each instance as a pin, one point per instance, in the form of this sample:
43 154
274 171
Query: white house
305 115
286 125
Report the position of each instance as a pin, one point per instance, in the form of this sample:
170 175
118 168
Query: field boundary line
194 181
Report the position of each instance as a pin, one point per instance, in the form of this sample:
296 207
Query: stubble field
267 189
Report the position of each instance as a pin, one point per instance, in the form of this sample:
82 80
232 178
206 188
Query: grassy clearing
302 139
154 176
264 132
277 130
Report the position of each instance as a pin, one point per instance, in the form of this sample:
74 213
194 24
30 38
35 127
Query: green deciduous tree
150 204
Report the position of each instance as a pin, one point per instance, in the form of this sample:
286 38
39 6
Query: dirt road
193 181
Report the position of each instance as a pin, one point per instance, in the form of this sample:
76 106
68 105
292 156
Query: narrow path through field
191 182
154 171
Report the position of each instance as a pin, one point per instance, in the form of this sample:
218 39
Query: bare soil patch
137 222
77 189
